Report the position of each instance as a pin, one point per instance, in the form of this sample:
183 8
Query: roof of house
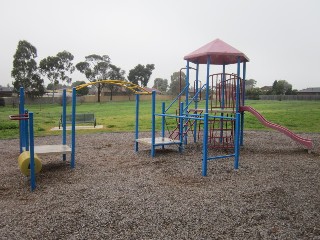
220 53
152 89
312 90
5 89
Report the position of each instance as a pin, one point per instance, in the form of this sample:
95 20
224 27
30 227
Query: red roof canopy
220 53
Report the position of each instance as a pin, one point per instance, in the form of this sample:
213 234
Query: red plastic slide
304 141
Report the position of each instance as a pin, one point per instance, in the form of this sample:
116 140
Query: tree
82 91
115 73
50 86
281 87
253 93
56 68
141 73
174 87
161 84
95 68
25 70
250 84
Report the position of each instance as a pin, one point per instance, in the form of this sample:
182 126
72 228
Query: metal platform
158 141
52 149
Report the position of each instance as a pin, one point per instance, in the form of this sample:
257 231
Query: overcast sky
281 37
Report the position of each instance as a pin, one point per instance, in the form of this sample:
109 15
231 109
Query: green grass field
298 116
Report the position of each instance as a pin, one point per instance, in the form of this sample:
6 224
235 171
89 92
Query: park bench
80 118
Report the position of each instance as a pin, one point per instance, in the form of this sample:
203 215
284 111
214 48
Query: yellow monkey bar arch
131 86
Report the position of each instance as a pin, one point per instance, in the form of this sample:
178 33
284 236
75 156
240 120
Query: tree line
279 87
58 69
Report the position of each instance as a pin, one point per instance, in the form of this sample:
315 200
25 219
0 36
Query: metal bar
137 123
178 97
181 118
163 118
153 123
196 103
195 118
32 166
243 102
207 84
220 157
26 122
223 84
187 84
238 86
21 124
73 128
64 121
236 142
205 144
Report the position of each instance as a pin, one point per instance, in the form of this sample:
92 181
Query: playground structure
220 123
29 162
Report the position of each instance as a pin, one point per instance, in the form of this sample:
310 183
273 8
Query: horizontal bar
219 157
195 118
19 117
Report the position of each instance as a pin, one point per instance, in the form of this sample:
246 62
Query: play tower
217 122
217 119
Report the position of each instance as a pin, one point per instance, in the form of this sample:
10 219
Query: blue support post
223 85
196 104
137 123
207 84
153 124
187 99
32 166
238 103
26 123
21 123
236 142
181 127
187 84
243 102
204 147
73 127
163 118
64 127
238 86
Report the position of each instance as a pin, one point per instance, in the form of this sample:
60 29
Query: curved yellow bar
129 85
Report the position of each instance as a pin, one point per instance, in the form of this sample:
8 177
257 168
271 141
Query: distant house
310 91
152 89
266 89
5 91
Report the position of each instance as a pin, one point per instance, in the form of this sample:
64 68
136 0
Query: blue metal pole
21 122
137 123
223 85
207 84
205 144
187 98
238 86
64 127
236 142
181 127
187 83
26 123
153 124
73 127
163 121
32 166
243 102
196 104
